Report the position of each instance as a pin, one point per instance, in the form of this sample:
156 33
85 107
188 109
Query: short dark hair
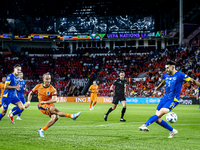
46 74
17 65
171 63
121 71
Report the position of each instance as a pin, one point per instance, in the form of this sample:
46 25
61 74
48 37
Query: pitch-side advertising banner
84 99
130 100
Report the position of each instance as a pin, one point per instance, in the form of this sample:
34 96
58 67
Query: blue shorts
7 100
22 100
167 104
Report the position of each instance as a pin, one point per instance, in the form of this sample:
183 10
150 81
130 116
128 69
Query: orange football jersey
2 88
94 88
44 93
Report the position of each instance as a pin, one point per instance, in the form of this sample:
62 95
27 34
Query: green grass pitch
90 131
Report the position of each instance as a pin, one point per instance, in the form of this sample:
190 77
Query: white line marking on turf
117 124
89 125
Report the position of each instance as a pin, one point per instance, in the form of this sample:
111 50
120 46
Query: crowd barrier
130 100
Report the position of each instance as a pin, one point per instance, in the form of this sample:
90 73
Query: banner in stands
53 37
80 82
130 35
81 37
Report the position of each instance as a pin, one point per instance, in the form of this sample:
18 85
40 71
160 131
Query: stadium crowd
143 68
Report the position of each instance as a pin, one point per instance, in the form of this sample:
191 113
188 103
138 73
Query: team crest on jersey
174 78
48 92
8 78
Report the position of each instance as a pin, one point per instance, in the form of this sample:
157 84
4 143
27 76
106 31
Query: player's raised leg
54 110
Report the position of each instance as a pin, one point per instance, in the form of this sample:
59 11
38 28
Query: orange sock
94 104
44 128
68 115
90 105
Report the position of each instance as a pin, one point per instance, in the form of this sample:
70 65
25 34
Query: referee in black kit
119 95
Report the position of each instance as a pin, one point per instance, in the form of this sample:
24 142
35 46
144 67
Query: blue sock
1 116
17 111
166 125
151 120
14 108
19 114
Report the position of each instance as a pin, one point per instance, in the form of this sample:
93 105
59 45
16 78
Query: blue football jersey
12 80
173 85
22 84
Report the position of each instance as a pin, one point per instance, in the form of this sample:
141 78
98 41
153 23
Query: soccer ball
171 117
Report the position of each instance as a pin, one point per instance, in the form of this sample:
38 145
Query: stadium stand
143 69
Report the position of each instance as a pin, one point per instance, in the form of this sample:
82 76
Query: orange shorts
93 97
45 108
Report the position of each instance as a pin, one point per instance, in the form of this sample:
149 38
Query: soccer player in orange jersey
93 89
2 88
47 95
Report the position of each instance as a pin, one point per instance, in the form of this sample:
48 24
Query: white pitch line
117 124
89 126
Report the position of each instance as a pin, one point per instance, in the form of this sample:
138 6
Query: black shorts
118 98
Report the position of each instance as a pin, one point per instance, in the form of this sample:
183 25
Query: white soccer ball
171 117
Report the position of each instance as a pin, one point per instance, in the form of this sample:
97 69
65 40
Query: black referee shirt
119 86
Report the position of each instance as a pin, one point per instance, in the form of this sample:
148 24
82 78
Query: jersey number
169 84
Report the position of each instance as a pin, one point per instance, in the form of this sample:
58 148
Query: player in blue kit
173 81
9 95
20 95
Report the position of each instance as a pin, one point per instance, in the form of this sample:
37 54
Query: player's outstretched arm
194 82
159 86
53 100
30 95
